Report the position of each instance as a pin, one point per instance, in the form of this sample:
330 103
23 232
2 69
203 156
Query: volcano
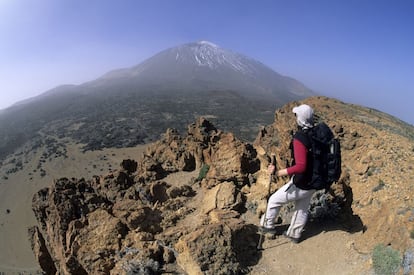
131 106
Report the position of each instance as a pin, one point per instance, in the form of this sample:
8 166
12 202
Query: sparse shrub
322 208
203 171
380 186
373 171
147 267
385 260
408 261
12 170
412 234
42 173
251 206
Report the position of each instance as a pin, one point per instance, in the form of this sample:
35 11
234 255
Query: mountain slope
205 66
135 105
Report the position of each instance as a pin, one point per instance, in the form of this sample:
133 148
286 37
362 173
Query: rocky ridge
135 220
377 165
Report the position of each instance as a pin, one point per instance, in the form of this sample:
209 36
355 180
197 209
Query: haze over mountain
129 106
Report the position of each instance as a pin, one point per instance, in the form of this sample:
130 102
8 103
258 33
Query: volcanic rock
136 220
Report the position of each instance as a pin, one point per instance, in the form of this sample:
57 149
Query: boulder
216 248
94 245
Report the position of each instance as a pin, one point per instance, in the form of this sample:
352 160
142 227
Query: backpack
326 156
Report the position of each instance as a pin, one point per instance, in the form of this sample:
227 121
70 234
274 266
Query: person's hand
271 169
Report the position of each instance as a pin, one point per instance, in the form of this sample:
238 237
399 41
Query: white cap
304 115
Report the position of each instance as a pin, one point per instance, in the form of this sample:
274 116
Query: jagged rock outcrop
136 220
132 220
227 157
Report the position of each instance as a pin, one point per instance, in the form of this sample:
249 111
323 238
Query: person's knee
302 212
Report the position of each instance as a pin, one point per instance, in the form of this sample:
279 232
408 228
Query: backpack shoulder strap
303 137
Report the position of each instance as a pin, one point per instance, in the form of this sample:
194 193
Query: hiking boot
293 240
268 230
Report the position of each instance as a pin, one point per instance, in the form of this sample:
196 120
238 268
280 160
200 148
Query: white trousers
289 192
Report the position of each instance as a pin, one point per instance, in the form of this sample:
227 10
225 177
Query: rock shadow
339 216
244 244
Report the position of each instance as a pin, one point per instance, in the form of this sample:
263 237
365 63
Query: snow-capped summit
205 53
203 65
208 43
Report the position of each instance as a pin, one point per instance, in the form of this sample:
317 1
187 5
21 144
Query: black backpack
326 156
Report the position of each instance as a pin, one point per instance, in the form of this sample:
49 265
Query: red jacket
300 154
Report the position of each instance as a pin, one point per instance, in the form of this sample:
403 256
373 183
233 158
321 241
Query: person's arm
299 152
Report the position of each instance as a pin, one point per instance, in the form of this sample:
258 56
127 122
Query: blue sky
359 51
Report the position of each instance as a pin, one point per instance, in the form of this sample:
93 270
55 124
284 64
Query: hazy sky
359 51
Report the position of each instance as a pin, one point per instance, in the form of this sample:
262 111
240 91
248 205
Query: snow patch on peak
207 43
207 54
